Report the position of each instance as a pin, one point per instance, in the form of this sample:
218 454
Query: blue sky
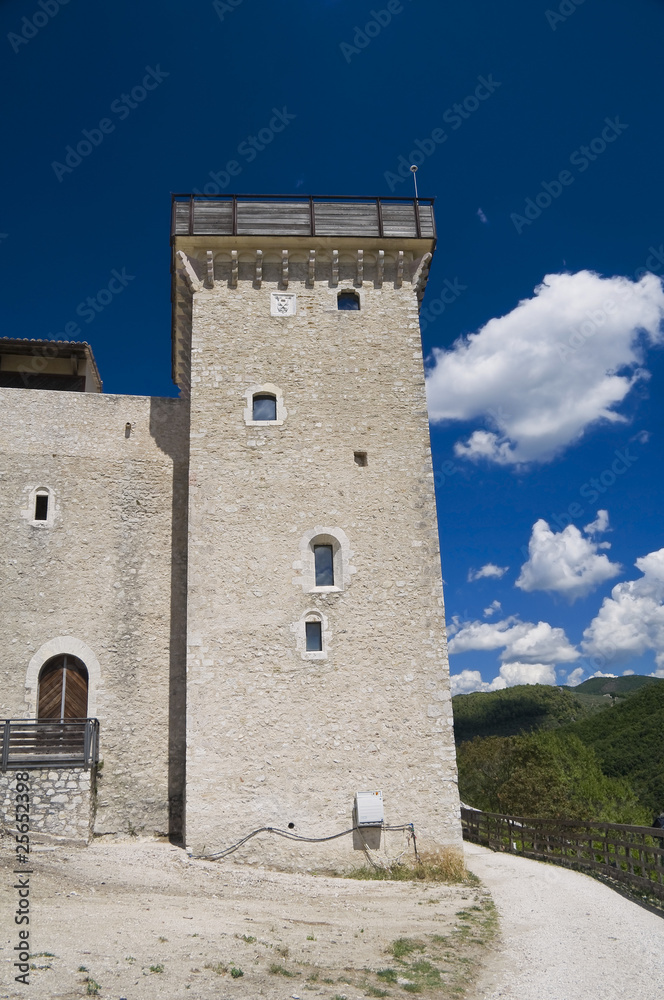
545 160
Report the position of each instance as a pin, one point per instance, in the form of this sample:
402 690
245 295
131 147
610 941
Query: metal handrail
32 743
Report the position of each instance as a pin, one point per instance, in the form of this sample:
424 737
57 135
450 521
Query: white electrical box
369 808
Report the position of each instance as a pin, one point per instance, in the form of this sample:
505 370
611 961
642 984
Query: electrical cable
218 855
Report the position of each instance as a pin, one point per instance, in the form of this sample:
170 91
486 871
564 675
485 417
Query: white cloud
493 607
631 621
565 562
551 368
575 676
510 674
489 570
521 642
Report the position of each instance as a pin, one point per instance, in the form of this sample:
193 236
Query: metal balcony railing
27 743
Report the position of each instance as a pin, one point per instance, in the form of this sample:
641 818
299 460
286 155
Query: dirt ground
138 919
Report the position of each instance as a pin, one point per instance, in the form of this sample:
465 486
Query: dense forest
594 752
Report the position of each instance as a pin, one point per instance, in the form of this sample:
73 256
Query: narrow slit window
314 634
41 507
324 564
348 300
264 407
361 459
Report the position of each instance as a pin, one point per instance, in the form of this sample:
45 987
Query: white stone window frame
341 556
29 514
56 647
267 389
300 630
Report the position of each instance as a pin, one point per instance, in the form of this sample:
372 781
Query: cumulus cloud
631 621
575 676
523 643
491 610
551 368
566 562
489 570
510 674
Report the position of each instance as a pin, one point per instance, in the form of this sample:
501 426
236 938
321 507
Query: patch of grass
445 864
130 958
310 937
92 987
217 967
156 968
278 970
282 950
249 938
387 975
44 954
82 968
405 946
236 973
162 939
373 991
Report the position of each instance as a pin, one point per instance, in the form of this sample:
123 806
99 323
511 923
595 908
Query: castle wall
276 736
104 579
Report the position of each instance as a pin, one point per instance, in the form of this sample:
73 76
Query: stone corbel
258 279
209 283
312 268
189 273
359 274
284 268
235 266
399 278
335 268
380 268
422 272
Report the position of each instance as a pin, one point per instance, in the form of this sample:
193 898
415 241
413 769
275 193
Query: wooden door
63 689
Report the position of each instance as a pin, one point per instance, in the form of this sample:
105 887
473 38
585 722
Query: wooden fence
633 855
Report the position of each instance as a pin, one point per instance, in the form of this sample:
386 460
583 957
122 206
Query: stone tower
317 663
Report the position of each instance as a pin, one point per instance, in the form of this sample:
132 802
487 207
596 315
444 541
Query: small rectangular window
264 407
314 632
361 459
324 565
41 507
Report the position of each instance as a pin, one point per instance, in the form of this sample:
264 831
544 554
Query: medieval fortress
243 584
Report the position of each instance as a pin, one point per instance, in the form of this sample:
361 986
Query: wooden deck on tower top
288 215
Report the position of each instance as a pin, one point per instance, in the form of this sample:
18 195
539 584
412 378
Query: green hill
596 750
620 686
521 709
629 741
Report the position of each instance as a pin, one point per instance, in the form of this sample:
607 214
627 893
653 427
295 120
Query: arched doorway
63 689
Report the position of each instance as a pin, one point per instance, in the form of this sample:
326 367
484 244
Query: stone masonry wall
61 803
104 580
276 737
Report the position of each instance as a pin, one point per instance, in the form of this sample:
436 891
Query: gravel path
566 936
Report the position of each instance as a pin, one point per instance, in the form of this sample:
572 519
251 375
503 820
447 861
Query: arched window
63 689
312 635
264 406
324 562
348 300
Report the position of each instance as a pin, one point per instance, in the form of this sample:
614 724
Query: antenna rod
414 169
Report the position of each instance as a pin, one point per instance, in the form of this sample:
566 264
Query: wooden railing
29 744
633 855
